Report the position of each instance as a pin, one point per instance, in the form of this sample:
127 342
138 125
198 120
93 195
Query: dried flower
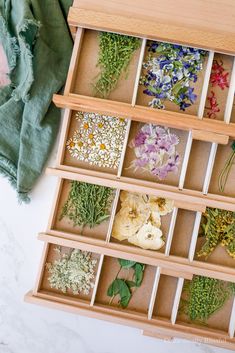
148 237
218 227
214 106
74 271
139 219
169 71
155 151
130 218
161 205
98 140
218 75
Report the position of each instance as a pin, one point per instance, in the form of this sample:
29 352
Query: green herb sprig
87 204
123 287
224 174
115 53
218 227
204 296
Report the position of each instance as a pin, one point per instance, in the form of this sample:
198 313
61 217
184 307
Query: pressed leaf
126 263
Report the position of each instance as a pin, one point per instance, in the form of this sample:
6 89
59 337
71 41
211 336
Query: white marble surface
26 328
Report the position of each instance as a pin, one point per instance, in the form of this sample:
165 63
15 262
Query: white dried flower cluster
99 139
74 271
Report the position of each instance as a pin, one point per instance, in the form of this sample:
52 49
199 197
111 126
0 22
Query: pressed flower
148 237
139 219
218 75
99 140
161 205
169 72
155 150
129 220
213 108
74 271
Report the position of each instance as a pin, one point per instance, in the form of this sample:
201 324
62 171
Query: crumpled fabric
37 44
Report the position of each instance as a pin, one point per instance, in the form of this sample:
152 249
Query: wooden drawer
155 306
128 99
180 229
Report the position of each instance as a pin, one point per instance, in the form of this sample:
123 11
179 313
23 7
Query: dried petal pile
169 73
139 220
98 140
74 271
155 150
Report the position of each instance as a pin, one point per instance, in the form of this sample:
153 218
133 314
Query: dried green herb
87 204
115 53
74 271
204 296
218 227
123 287
223 177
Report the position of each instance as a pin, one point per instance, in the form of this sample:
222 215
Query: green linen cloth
37 43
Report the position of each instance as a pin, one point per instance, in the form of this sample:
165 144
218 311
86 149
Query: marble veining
25 328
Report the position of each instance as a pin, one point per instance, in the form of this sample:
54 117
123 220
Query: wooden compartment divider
176 303
171 231
230 97
232 321
139 68
154 292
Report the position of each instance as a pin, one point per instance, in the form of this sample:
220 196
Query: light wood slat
176 303
205 85
125 142
112 216
160 190
195 36
138 73
154 293
185 160
231 329
143 114
209 169
230 97
194 237
97 280
171 231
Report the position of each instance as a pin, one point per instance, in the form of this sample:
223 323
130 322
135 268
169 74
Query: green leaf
125 300
139 274
126 263
130 284
114 288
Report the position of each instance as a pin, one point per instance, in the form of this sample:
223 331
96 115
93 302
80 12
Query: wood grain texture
143 114
197 35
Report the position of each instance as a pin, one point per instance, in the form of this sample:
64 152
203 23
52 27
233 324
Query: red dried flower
214 106
218 76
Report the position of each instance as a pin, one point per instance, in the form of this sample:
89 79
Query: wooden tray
205 144
145 309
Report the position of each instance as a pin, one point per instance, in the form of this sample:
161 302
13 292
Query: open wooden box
204 145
